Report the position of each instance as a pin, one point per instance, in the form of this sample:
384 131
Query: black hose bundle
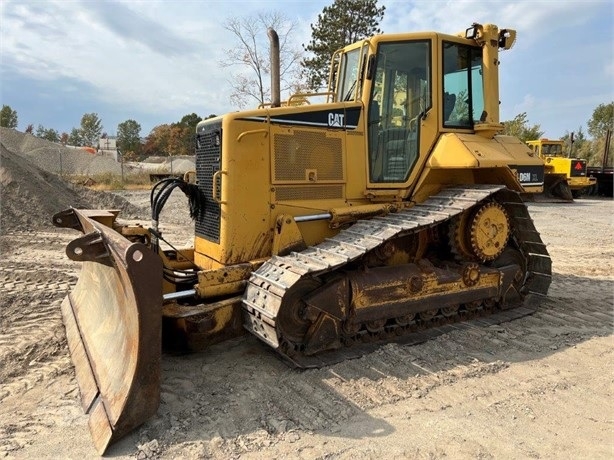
160 193
163 189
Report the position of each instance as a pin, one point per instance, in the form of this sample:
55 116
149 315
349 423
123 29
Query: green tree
252 53
48 134
91 128
129 137
519 127
75 138
579 146
187 127
190 120
8 117
342 23
601 121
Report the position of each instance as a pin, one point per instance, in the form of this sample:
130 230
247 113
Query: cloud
125 55
160 60
131 26
534 20
527 103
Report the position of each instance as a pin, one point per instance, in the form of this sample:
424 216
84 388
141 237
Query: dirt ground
537 387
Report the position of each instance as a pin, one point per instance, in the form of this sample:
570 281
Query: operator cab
414 87
547 148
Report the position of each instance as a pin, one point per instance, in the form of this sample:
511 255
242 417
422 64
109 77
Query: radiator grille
312 192
208 161
298 154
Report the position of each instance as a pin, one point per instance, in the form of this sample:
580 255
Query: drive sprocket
480 235
490 230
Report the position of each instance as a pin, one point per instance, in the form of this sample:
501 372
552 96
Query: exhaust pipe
275 78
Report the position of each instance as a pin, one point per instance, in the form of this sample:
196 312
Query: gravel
62 160
29 195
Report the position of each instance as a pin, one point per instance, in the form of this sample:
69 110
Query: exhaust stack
275 77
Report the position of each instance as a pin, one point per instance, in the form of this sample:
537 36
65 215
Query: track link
271 282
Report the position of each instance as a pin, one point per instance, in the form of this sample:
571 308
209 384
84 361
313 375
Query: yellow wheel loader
390 210
565 178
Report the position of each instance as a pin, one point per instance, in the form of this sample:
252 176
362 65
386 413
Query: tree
158 141
519 127
342 23
601 121
172 139
8 117
129 138
75 138
64 138
578 146
253 53
30 129
48 134
187 125
91 128
190 120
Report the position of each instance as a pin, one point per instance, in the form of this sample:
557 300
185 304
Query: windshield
552 149
463 94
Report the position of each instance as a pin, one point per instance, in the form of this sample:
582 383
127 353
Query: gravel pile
67 161
56 158
29 196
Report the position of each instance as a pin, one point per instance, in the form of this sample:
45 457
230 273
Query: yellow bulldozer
565 178
388 209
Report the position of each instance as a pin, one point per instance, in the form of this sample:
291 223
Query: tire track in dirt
32 337
286 404
239 400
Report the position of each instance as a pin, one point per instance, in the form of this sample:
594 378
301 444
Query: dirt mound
31 195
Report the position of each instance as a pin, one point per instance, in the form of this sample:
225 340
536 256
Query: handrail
253 131
214 188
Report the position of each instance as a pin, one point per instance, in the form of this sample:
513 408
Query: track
269 285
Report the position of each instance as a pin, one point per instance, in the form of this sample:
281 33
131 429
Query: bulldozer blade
113 320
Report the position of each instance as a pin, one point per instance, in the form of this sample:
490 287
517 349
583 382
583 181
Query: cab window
349 75
400 95
463 93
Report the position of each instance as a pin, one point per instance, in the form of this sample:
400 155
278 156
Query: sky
156 61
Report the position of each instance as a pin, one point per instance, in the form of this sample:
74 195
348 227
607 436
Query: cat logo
335 120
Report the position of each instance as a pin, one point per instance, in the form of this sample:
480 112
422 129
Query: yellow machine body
354 150
560 167
387 203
